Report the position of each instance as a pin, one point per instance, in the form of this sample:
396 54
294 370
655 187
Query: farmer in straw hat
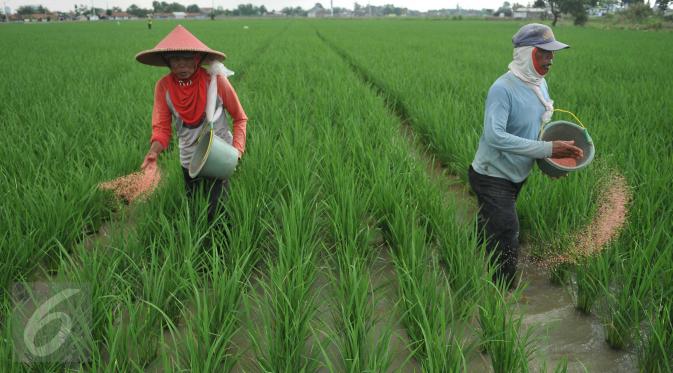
180 97
517 104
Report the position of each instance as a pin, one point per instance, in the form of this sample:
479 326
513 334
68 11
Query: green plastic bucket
213 157
566 131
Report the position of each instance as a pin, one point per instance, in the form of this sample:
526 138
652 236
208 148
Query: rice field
347 242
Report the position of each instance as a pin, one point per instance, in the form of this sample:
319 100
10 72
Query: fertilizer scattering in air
136 185
603 228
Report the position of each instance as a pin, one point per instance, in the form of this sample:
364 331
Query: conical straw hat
179 40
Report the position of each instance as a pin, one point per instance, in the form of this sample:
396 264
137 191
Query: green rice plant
592 275
464 258
502 336
354 306
289 305
429 310
133 334
654 353
627 302
353 333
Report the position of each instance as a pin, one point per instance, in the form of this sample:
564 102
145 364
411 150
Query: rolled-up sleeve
235 110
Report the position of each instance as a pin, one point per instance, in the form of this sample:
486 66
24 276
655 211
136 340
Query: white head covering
216 68
522 67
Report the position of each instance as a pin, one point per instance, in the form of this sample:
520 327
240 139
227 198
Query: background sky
422 5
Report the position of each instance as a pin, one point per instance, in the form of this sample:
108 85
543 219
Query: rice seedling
654 353
627 301
592 274
354 317
509 346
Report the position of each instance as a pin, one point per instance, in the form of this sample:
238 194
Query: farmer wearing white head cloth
182 97
517 104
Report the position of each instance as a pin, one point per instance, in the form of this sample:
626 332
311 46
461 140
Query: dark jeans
498 221
216 189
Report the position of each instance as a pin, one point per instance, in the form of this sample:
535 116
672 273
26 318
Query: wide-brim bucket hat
178 40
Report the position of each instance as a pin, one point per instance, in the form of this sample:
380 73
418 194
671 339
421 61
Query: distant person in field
149 23
180 98
517 104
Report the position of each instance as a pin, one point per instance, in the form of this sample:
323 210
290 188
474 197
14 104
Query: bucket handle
573 115
567 112
586 132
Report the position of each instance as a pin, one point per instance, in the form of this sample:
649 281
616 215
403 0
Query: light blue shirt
508 147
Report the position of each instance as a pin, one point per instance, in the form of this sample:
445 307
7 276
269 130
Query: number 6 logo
42 317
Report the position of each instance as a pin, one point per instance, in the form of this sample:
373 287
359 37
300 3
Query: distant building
317 12
118 16
530 13
196 16
600 11
40 17
163 16
179 15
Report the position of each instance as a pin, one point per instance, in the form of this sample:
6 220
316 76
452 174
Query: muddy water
564 332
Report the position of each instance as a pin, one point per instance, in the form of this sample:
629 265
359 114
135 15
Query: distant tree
164 7
193 9
505 9
338 10
135 11
84 10
638 12
246 10
662 5
31 9
576 8
176 7
297 11
26 10
318 6
539 4
391 9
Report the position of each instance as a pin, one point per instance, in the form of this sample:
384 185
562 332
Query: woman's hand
152 154
150 158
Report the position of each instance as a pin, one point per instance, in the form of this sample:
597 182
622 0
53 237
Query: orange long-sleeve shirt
162 116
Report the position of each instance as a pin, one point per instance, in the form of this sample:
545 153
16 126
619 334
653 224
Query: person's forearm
156 147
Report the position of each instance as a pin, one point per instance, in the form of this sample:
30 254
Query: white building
530 13
317 12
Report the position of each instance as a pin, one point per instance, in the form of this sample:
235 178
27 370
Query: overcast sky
423 5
